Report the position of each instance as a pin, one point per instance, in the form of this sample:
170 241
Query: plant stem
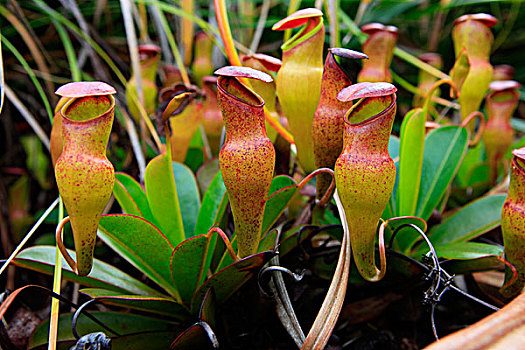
57 281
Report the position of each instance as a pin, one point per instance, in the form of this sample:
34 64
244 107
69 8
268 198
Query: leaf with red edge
142 245
85 88
243 72
102 275
197 336
365 89
123 322
207 311
131 197
297 19
188 265
228 280
157 305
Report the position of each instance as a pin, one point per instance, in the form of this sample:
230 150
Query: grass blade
29 235
76 75
31 74
30 119
57 281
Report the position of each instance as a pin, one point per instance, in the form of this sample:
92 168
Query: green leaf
157 305
214 205
194 158
162 198
518 124
281 192
473 159
122 322
485 263
469 222
102 275
444 150
131 197
268 241
467 250
142 245
206 174
194 337
410 162
228 280
187 265
393 146
188 194
147 340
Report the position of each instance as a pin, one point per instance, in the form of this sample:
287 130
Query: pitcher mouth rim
256 95
372 118
73 99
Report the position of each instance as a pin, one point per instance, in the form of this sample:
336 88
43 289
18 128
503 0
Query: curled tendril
481 127
441 280
329 191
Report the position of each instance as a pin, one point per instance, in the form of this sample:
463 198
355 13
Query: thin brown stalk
329 313
31 45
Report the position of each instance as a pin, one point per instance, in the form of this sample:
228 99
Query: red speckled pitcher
498 135
364 172
83 173
513 224
247 159
328 124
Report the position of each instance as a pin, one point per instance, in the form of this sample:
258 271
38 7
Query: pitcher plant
364 172
247 159
202 63
379 47
211 116
299 79
328 122
472 71
267 91
513 225
83 173
183 118
501 102
425 79
149 56
56 141
503 72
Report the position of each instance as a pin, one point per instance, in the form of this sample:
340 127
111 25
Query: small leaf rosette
247 159
500 103
299 79
379 47
149 56
83 173
472 72
513 225
328 122
364 172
